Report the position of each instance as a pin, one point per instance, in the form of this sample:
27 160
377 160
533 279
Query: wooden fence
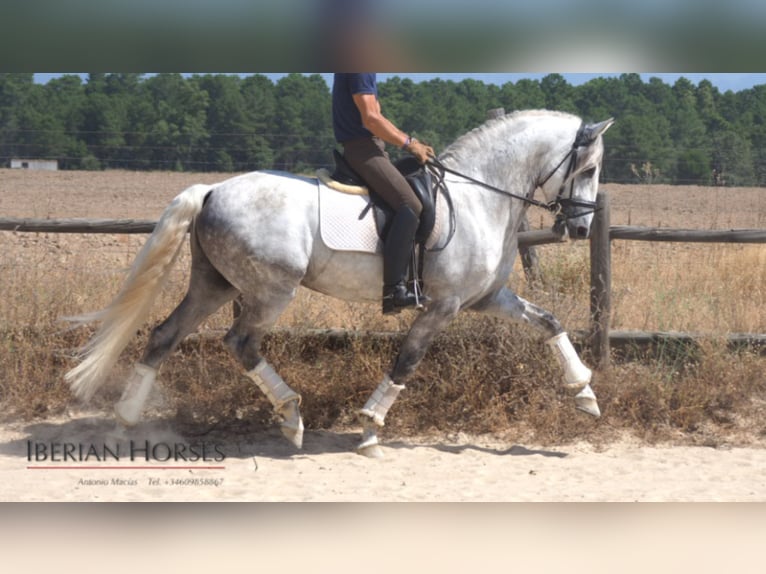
602 235
598 337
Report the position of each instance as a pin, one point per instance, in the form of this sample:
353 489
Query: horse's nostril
582 232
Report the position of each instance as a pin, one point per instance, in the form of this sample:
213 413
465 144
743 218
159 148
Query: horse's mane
477 135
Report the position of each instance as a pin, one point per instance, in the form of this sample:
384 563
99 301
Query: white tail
125 314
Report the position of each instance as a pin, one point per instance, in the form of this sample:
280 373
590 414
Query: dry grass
480 376
715 288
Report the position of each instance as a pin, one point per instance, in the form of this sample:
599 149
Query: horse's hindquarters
259 231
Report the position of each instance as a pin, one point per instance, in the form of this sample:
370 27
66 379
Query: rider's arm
380 126
376 123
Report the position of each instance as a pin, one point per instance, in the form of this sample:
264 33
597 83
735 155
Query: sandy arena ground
266 468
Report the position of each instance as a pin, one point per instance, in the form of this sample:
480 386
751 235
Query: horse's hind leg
577 376
257 315
208 290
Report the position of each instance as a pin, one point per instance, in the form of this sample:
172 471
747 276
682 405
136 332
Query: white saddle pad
342 230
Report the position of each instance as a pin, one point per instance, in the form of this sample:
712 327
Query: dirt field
143 195
263 467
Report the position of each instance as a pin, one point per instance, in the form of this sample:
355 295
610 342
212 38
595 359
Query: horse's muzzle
578 228
582 232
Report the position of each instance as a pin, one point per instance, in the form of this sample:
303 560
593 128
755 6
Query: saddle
420 180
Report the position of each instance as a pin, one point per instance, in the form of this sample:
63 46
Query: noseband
558 205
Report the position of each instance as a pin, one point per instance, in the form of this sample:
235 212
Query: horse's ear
592 131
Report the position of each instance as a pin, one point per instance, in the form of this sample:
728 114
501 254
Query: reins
556 206
437 164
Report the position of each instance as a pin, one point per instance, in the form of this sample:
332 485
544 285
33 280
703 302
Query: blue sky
723 81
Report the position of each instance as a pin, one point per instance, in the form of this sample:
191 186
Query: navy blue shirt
346 119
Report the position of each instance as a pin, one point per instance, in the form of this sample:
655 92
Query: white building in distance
45 164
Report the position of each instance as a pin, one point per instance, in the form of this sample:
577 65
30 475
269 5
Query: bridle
557 206
561 202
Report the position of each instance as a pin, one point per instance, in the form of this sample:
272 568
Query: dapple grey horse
257 237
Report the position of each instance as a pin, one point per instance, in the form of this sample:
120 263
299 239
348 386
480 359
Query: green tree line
681 133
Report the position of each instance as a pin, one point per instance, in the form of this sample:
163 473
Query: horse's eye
590 172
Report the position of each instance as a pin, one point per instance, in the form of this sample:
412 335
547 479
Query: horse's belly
346 275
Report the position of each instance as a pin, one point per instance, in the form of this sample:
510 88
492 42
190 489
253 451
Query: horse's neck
510 152
510 155
515 152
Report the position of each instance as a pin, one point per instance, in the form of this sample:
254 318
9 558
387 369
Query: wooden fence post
495 113
600 281
530 261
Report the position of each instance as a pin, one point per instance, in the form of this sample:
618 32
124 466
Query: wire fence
202 152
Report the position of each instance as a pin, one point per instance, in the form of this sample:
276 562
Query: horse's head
572 183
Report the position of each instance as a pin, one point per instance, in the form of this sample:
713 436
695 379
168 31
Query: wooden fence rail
526 238
687 235
77 225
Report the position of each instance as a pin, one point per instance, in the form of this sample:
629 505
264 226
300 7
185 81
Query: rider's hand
420 150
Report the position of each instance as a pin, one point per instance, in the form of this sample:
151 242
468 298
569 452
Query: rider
363 131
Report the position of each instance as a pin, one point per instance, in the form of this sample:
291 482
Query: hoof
585 401
369 446
294 435
370 451
129 408
292 426
126 417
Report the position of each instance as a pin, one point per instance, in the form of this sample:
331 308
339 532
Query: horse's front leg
422 333
506 304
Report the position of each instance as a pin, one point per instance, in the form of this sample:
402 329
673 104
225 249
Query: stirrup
398 297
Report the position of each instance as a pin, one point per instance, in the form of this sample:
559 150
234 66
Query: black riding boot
396 256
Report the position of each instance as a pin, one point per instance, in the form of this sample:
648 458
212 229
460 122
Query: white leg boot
576 375
285 400
129 408
374 412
